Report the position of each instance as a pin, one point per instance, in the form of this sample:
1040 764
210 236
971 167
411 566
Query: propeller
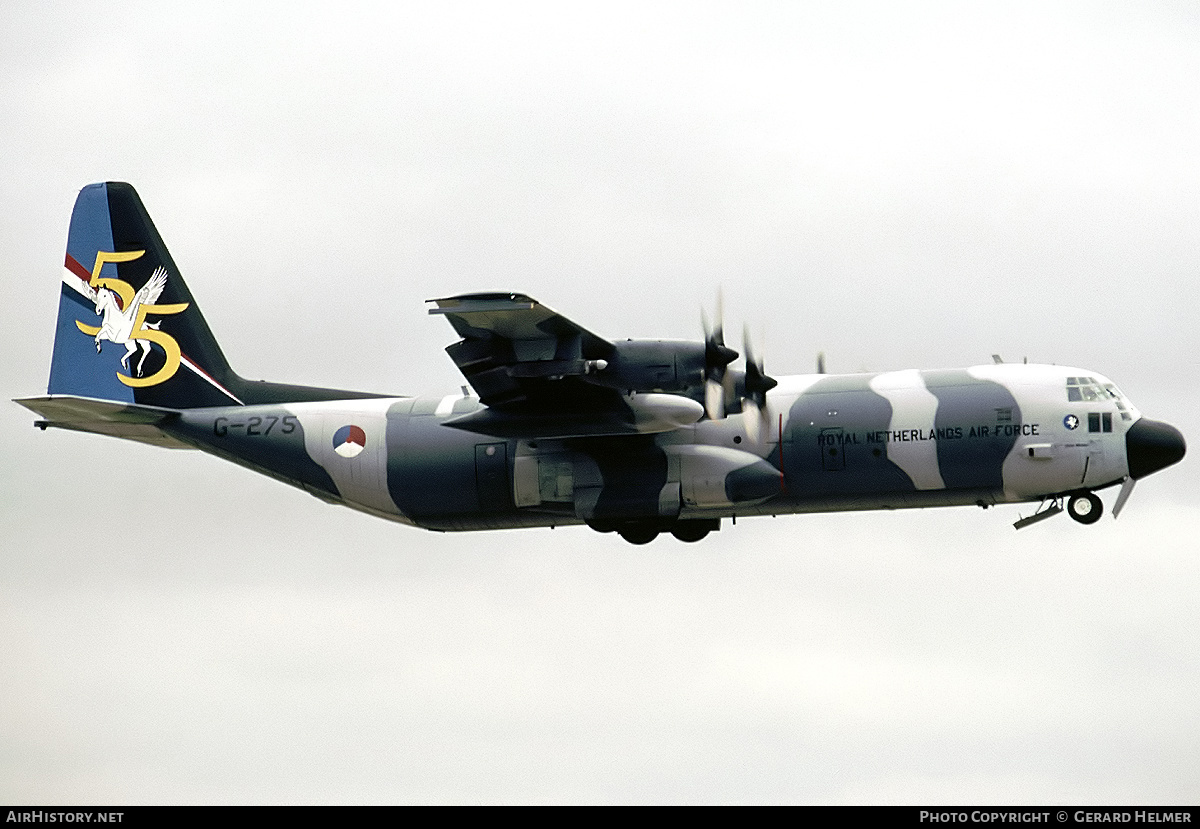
718 383
755 411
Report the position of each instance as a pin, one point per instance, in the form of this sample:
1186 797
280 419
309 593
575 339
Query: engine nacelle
718 476
652 365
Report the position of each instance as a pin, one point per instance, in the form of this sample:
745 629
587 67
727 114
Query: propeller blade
709 333
714 400
756 419
753 421
757 382
717 357
755 409
748 347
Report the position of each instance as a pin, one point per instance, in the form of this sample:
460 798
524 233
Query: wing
531 367
149 293
517 353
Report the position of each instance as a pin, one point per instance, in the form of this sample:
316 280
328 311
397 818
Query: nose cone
1151 445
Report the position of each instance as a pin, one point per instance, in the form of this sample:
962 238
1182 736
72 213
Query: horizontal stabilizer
120 420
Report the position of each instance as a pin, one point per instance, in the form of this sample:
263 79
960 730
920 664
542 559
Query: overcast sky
900 185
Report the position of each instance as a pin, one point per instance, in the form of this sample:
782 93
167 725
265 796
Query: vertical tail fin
129 331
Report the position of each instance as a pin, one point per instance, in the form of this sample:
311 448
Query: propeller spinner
755 411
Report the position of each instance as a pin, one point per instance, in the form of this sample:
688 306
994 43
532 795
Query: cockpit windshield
1091 390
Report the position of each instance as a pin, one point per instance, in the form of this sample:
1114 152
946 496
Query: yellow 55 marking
126 292
123 289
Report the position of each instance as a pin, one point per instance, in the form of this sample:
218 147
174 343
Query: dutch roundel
348 441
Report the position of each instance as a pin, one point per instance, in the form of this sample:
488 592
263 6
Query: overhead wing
530 366
517 353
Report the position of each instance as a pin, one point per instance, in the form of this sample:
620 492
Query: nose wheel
1085 507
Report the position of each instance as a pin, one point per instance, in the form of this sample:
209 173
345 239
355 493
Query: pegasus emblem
124 319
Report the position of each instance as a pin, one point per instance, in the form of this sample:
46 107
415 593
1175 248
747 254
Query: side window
1100 421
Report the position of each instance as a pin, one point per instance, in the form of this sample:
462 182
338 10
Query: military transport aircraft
565 427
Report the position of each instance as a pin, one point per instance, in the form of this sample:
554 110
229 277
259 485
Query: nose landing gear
1085 507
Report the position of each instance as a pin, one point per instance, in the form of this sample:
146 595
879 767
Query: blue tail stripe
76 368
91 228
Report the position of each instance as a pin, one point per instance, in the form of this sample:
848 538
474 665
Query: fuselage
983 435
636 436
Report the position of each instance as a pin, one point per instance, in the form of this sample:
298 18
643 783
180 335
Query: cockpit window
1090 390
1116 395
1087 390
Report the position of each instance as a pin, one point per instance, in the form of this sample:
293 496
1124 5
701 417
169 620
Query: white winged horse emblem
118 322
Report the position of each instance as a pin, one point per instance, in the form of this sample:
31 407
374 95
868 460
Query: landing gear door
1094 470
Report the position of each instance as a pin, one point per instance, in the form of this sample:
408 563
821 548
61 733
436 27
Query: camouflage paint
267 439
973 461
825 448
